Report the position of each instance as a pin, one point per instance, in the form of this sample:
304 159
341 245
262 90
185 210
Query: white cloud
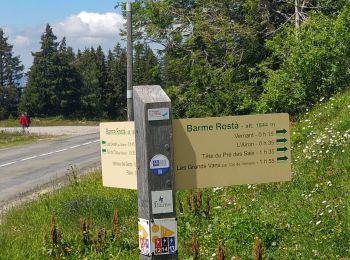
21 41
90 25
81 30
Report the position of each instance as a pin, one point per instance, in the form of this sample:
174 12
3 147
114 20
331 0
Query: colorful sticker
156 114
159 164
164 236
144 237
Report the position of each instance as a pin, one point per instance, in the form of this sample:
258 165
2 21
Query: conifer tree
90 98
11 72
53 85
11 69
116 84
146 66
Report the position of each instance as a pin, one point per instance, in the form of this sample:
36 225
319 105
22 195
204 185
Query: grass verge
9 139
51 121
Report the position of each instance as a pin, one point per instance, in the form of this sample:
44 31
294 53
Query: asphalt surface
27 168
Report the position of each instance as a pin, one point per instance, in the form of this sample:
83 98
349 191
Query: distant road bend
25 168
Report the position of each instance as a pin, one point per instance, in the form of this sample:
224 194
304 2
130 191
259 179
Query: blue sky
85 23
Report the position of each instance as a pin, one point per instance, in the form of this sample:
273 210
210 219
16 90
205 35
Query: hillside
306 218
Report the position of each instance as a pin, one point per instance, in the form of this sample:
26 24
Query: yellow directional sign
224 151
118 155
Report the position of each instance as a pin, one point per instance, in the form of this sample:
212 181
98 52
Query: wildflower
324 202
318 222
330 211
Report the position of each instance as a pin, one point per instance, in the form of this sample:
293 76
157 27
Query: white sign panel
162 201
155 114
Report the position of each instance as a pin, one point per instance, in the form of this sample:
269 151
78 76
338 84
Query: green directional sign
284 158
281 140
282 149
283 131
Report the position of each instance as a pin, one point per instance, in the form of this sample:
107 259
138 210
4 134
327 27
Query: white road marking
44 154
75 146
58 151
6 164
28 158
49 153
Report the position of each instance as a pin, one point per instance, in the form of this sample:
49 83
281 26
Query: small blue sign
159 165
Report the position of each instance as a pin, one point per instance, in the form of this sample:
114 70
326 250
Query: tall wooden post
155 173
129 71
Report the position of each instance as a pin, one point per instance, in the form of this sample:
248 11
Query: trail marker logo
159 165
162 201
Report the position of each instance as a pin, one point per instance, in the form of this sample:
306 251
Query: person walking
28 119
23 122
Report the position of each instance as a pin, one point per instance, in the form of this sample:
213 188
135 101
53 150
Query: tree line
231 57
87 84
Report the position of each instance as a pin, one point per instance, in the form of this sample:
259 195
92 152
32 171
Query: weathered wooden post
155 173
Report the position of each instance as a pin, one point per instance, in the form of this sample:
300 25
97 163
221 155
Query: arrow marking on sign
283 140
282 149
282 131
284 158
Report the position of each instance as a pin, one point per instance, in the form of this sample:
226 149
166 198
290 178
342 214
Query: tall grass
307 218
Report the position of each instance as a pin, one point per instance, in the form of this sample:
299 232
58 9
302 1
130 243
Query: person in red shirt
23 122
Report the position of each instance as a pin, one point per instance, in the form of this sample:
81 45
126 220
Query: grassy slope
306 218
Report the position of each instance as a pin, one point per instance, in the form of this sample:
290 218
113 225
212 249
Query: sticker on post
164 236
162 201
159 164
144 237
156 114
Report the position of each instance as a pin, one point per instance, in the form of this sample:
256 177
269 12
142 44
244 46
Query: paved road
24 168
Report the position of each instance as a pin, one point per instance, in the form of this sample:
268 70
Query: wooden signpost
202 152
155 173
